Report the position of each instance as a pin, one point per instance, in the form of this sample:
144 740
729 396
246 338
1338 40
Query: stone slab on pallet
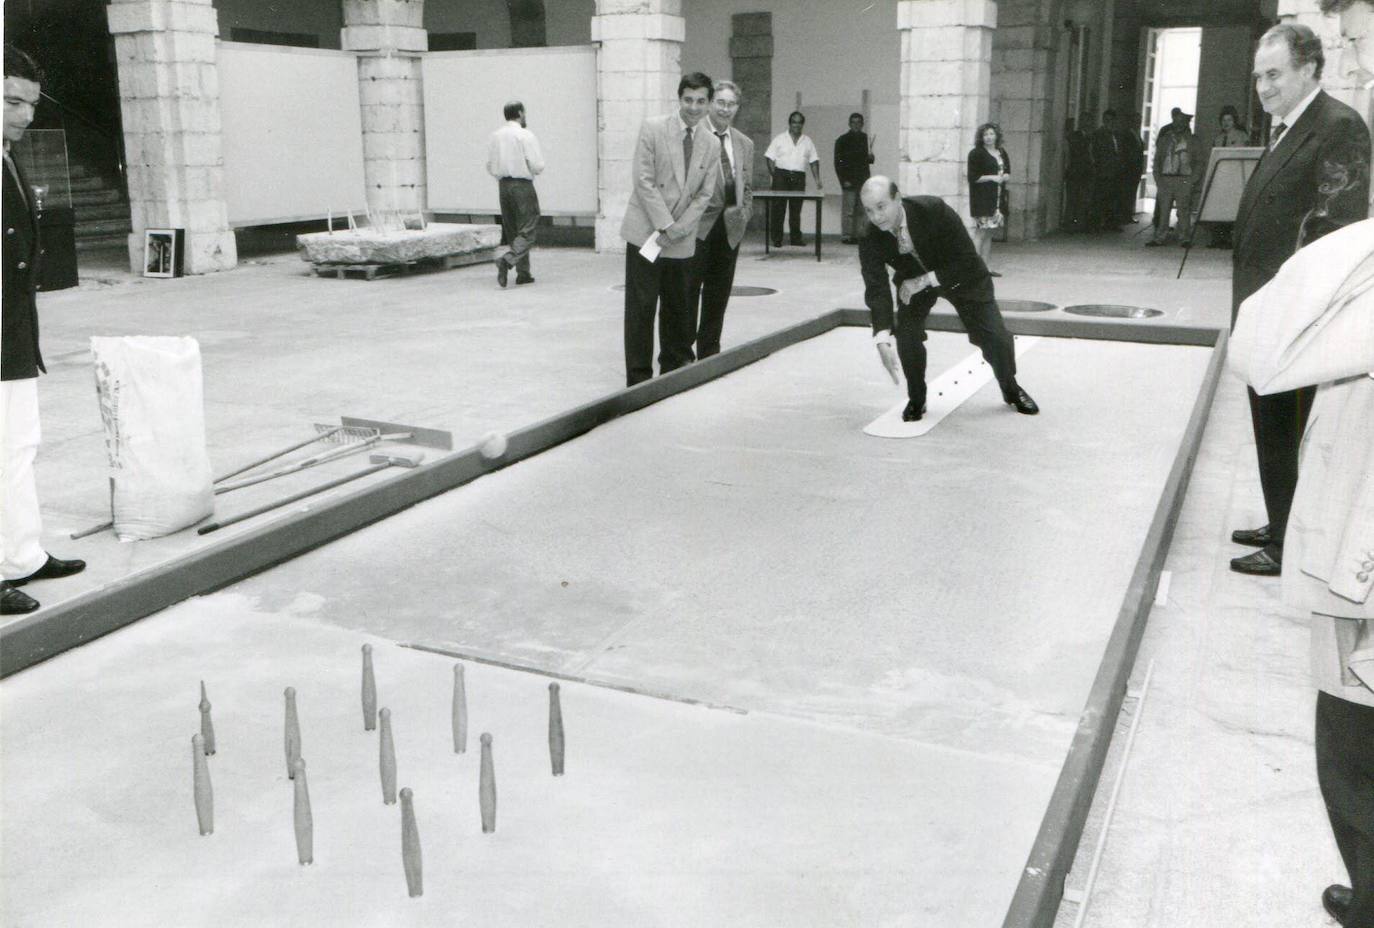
373 271
396 246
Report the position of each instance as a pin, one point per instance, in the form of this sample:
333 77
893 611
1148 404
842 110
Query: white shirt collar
1298 110
683 127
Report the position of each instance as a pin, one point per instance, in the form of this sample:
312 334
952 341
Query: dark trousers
1078 194
519 220
986 330
711 277
1105 199
786 180
1130 185
1345 771
1279 420
656 288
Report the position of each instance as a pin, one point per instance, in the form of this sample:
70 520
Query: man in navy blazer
925 243
1313 178
22 557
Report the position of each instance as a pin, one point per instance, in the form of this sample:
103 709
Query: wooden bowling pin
486 787
555 731
369 691
460 711
207 727
205 795
386 759
293 732
410 845
305 823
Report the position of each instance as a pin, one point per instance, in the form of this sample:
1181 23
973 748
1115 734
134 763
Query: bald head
882 202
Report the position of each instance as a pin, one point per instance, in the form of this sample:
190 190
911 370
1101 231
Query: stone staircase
102 212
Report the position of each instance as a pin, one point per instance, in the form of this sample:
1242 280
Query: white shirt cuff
883 337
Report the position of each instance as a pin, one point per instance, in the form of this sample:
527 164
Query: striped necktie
1279 130
726 173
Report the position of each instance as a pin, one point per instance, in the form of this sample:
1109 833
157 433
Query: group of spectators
1103 170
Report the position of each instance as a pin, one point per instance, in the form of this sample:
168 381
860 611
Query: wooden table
788 195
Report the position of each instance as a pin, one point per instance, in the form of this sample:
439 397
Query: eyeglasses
727 106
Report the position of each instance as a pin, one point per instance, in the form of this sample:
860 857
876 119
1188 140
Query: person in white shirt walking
788 156
513 158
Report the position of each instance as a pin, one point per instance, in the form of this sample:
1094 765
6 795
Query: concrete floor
1226 730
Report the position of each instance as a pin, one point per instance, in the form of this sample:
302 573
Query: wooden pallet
373 271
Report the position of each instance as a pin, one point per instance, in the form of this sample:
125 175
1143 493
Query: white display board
293 137
464 94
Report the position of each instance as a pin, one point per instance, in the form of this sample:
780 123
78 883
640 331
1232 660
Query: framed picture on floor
162 252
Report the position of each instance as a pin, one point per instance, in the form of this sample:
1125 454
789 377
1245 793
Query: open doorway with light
1172 61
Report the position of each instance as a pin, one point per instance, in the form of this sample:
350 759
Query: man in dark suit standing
1313 178
925 243
721 229
853 155
1107 169
22 558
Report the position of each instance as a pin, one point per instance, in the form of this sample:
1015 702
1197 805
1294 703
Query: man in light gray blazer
722 226
676 167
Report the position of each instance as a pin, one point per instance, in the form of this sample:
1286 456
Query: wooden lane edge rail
1041 886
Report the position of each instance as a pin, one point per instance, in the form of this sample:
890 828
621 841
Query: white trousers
21 525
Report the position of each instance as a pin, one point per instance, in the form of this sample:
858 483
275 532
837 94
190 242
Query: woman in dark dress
988 172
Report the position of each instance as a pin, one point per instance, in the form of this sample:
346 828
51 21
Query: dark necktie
726 174
687 151
1279 130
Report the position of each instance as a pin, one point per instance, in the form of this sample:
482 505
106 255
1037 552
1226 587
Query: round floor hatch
1024 306
1113 311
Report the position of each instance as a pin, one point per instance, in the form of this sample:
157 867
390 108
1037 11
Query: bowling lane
745 544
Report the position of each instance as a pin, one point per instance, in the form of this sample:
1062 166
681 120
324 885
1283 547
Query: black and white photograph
624 463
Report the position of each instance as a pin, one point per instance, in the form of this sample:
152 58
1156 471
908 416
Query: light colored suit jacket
1314 324
737 216
668 194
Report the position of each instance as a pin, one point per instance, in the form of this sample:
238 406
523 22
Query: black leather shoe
798 240
53 569
502 269
1336 900
15 602
1266 562
1021 400
523 280
912 414
1254 537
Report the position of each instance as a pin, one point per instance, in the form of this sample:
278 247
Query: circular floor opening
1113 311
1024 306
734 291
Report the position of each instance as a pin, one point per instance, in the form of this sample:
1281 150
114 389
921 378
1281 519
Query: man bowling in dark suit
925 243
1313 178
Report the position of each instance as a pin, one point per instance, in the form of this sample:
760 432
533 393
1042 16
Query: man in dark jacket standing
1313 178
22 558
1107 168
853 155
925 243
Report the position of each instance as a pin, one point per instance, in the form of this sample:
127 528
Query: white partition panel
293 136
464 93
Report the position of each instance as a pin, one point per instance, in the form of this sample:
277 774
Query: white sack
152 406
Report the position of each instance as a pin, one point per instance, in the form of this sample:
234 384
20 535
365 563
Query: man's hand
887 353
914 285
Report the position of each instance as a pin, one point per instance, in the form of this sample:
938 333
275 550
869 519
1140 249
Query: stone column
751 62
389 36
1337 77
945 84
169 100
1023 68
638 65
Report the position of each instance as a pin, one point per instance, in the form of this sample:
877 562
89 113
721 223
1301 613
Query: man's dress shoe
53 569
912 414
502 269
523 280
1336 900
1261 563
15 602
1254 537
798 240
1021 400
